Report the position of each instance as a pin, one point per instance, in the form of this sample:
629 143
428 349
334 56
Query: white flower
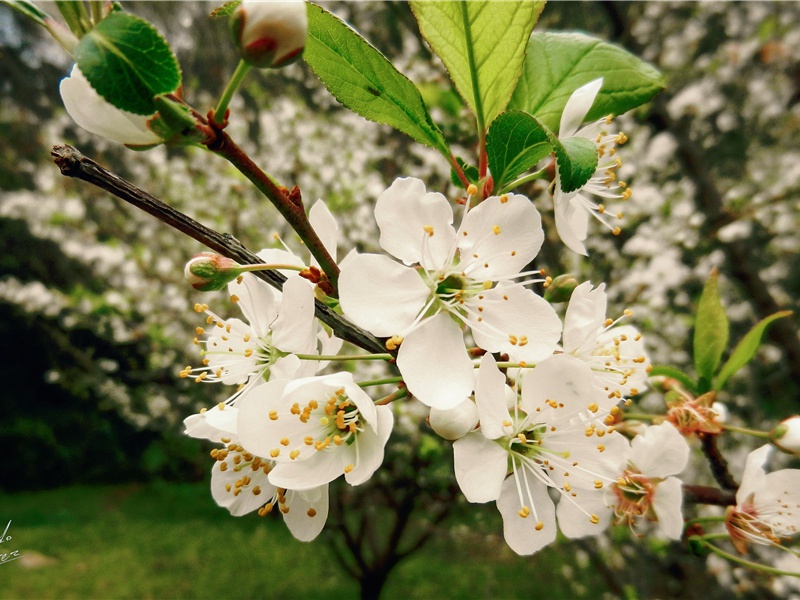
615 354
89 110
767 505
572 209
554 436
645 487
315 429
240 480
270 33
786 435
279 325
454 423
462 276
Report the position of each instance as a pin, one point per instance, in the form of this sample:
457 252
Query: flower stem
701 520
753 432
512 365
540 174
242 69
741 561
345 357
640 416
399 394
383 381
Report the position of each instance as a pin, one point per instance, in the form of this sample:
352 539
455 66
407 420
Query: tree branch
74 164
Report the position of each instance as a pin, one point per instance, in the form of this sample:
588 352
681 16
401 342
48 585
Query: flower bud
270 34
561 288
209 272
786 435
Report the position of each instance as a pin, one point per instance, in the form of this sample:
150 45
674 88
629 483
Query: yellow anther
275 452
513 340
209 320
496 230
234 298
248 352
294 454
601 208
199 330
601 448
539 526
349 468
594 519
223 466
507 423
593 407
598 484
393 342
524 512
285 441
428 229
472 189
311 512
521 437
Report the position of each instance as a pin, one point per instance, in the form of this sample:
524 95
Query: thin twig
74 164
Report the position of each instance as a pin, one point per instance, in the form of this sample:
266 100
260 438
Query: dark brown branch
719 466
74 164
701 494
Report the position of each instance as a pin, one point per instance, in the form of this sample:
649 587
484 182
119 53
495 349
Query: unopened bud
561 288
786 435
270 34
209 272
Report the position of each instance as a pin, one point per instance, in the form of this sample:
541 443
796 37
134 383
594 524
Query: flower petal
480 466
585 316
490 397
293 329
575 514
323 467
89 110
245 500
753 476
368 456
572 221
416 226
257 432
660 451
257 301
308 511
512 319
379 294
326 227
454 423
667 504
520 533
213 424
577 107
435 365
499 237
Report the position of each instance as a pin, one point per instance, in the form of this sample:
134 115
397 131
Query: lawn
163 540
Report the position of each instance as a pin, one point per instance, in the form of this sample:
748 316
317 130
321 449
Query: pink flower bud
209 272
786 436
271 33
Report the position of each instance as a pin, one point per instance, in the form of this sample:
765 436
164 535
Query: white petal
498 238
245 501
585 315
564 379
89 110
490 397
660 451
511 318
753 476
454 423
257 301
416 226
257 432
574 514
779 500
279 256
293 330
213 424
323 467
572 221
302 505
520 533
370 448
435 365
326 227
577 107
667 505
480 467
379 294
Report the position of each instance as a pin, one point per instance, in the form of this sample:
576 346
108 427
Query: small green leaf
577 161
557 64
364 80
746 348
29 9
226 10
482 45
515 143
710 331
128 62
667 371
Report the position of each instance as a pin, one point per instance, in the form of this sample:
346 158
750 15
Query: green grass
171 541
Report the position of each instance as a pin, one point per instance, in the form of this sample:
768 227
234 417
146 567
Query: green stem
242 69
292 210
540 174
511 365
384 381
640 416
753 432
701 520
399 394
96 10
741 561
345 357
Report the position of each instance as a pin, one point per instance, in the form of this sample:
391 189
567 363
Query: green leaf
128 62
364 80
577 161
666 371
470 172
559 63
746 348
226 10
482 45
29 9
710 330
515 143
